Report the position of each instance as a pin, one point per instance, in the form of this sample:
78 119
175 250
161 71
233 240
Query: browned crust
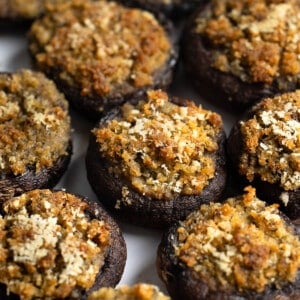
182 282
223 89
9 16
112 270
143 210
265 190
11 185
94 106
111 273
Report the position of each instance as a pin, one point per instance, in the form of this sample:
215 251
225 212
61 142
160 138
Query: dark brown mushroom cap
13 185
183 282
222 87
145 210
111 272
96 84
270 192
266 190
36 142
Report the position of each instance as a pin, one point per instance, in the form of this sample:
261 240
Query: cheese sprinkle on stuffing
271 142
255 40
100 47
35 126
139 291
21 9
240 244
49 249
163 149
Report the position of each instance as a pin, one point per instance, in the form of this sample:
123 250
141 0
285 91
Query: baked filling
239 244
100 47
35 125
271 142
20 8
140 291
49 249
162 148
257 41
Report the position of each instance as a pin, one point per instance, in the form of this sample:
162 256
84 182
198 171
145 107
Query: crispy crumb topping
19 8
100 47
139 291
239 244
34 122
162 148
49 248
257 41
271 142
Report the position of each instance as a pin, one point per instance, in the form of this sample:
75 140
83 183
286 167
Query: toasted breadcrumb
100 47
239 244
35 126
258 41
271 142
162 148
139 291
49 248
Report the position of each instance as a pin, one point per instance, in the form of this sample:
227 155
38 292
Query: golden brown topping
100 46
256 40
163 148
34 122
271 140
240 244
20 8
49 249
140 291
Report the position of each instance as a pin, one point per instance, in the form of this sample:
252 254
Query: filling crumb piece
271 140
240 244
49 249
20 8
140 291
34 122
162 148
257 41
100 47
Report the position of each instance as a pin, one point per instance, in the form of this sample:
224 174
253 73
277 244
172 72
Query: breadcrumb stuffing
258 41
49 248
241 244
27 9
35 126
271 142
100 47
163 149
139 291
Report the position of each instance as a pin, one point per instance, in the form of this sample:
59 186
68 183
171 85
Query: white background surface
141 243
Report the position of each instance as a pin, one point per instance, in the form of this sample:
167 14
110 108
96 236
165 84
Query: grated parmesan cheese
159 154
240 238
257 41
271 140
50 251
